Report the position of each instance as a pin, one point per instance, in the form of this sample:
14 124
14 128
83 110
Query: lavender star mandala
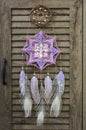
41 50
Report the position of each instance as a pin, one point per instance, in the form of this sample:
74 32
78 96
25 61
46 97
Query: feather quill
35 90
48 89
56 106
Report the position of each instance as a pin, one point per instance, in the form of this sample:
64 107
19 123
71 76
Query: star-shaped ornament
41 50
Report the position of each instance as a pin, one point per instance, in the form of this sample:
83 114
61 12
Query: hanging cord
40 77
55 69
22 61
60 62
48 73
34 74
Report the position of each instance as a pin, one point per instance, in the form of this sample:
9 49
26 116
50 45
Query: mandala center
41 51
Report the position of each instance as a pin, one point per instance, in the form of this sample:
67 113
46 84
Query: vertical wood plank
76 67
84 64
5 51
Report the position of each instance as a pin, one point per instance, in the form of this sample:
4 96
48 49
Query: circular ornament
40 15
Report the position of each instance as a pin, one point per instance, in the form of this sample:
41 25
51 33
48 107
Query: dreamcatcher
41 50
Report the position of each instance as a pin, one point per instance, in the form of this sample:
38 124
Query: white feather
27 105
48 88
40 117
27 87
35 90
60 81
25 93
22 82
55 106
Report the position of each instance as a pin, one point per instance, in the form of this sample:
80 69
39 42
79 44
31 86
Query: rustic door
66 25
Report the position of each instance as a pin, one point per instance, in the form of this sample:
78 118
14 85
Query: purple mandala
41 50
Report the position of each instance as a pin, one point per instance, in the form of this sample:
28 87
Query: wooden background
66 25
84 65
21 27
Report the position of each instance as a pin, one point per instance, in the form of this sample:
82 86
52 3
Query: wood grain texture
5 51
84 65
30 4
62 23
76 68
21 27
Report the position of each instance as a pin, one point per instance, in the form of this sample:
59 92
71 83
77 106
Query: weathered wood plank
26 24
76 68
58 11
30 31
23 37
19 108
53 4
5 52
47 121
21 44
27 18
46 127
84 65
